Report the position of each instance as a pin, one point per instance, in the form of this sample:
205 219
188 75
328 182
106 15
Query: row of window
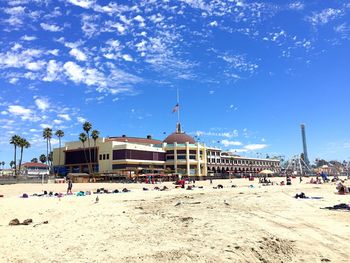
104 156
214 153
180 157
244 162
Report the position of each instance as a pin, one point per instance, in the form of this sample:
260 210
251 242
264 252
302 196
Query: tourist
70 186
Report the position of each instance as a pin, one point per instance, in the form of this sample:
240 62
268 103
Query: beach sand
258 224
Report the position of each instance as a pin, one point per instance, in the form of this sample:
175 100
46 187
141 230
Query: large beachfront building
178 153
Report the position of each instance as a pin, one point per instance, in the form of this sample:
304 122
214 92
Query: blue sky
249 72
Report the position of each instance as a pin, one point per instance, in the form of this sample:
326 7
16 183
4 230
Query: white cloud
296 6
78 54
230 143
57 122
28 38
213 24
254 147
74 71
35 66
139 19
64 116
52 71
50 27
18 58
82 3
238 150
45 125
127 57
42 104
81 119
20 111
230 134
325 16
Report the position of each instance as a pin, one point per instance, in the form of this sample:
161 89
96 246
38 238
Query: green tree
23 144
12 164
15 140
94 135
34 160
87 127
59 134
47 135
42 158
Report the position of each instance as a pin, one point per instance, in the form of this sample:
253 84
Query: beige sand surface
260 224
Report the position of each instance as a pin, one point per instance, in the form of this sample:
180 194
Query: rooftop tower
306 158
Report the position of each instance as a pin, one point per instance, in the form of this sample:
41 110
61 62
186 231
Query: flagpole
178 103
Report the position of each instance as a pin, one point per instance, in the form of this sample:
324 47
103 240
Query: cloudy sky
248 72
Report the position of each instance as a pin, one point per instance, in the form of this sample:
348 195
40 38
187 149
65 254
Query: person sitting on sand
342 189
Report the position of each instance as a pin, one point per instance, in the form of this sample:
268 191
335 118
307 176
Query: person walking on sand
70 186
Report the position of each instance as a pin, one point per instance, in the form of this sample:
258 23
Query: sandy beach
233 224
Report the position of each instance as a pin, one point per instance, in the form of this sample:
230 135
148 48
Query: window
107 156
100 157
104 157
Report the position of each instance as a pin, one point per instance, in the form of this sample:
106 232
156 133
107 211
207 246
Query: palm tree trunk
15 159
59 155
95 152
89 165
50 161
47 151
20 161
85 155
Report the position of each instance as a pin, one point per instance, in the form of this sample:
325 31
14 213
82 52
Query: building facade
220 162
178 153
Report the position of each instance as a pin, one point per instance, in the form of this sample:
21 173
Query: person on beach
342 188
70 186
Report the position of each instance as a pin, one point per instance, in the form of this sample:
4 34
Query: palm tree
14 140
47 135
94 135
59 134
23 143
87 127
34 160
83 138
12 164
42 158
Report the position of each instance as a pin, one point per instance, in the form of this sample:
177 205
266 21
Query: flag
176 108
